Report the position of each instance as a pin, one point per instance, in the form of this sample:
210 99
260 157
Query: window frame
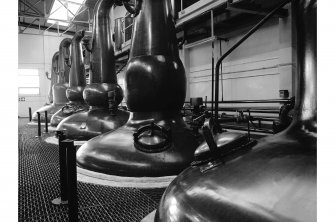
29 87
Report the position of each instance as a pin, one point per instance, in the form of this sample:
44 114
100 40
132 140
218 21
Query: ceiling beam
24 24
66 7
22 31
31 7
57 20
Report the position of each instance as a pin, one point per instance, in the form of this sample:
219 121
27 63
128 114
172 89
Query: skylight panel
59 11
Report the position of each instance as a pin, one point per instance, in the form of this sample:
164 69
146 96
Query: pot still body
276 179
58 89
155 141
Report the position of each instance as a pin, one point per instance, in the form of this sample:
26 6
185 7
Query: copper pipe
77 80
102 58
118 34
306 93
64 54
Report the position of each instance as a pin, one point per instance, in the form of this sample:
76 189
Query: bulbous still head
103 79
155 78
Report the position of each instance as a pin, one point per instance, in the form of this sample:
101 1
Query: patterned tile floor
39 184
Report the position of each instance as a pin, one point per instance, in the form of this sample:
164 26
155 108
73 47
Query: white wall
257 69
36 51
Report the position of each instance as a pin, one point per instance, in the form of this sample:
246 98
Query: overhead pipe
77 81
275 180
98 119
155 141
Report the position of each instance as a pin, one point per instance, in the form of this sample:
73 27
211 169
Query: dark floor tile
51 191
28 172
31 202
94 214
155 194
60 217
108 195
35 219
131 210
48 173
39 185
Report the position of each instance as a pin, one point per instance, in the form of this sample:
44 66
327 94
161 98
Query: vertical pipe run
212 102
212 34
46 121
173 7
221 72
38 124
72 179
30 116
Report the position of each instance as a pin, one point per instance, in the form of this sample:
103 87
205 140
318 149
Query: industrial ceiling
36 13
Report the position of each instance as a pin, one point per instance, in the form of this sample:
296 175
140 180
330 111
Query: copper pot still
273 181
53 77
155 141
103 94
77 81
59 88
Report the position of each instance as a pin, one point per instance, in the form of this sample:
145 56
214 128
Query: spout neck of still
154 30
304 16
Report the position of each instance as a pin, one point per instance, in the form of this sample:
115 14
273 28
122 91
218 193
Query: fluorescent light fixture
59 11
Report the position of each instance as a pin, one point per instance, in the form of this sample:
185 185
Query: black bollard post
46 121
72 180
38 124
62 170
249 124
30 118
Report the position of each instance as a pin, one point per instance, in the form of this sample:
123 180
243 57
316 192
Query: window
29 82
59 11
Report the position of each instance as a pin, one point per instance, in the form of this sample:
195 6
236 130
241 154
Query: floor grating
39 184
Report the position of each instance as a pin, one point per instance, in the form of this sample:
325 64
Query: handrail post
38 124
249 124
30 116
63 199
46 121
72 180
